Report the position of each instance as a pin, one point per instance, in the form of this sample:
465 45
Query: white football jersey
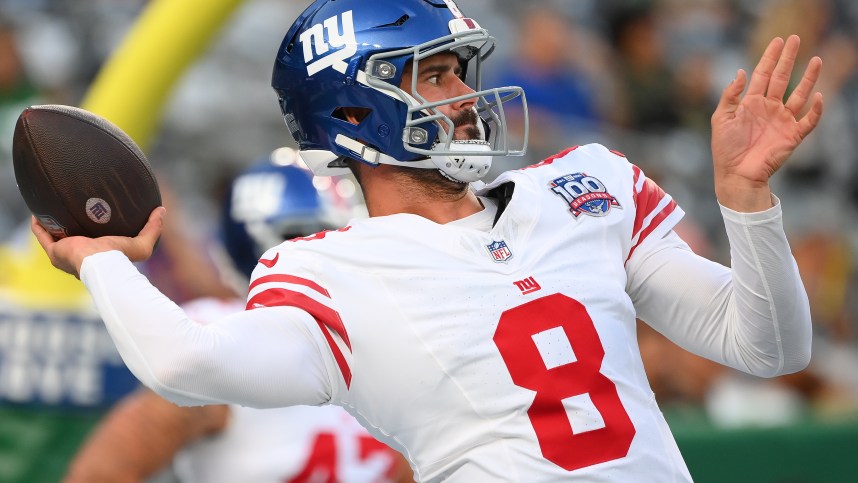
507 354
285 445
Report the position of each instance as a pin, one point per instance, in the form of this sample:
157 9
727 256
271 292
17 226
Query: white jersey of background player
483 349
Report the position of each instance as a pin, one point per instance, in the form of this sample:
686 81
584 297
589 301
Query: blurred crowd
640 76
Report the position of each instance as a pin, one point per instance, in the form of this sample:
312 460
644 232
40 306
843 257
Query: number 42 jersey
506 353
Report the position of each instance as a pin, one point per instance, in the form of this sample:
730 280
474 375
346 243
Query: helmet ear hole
353 115
291 41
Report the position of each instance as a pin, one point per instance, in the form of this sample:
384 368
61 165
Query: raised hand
67 254
752 135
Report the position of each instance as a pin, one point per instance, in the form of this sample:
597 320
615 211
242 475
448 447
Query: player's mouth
466 126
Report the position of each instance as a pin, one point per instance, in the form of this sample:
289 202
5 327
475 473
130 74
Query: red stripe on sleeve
326 317
664 213
281 297
338 355
290 279
645 202
637 175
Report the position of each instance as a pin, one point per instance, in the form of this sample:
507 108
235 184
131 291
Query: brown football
80 174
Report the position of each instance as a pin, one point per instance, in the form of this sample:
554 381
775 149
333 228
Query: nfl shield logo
499 251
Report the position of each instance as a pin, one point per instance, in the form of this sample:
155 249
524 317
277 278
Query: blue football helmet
269 203
352 53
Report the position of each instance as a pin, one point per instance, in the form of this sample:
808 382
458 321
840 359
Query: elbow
797 360
794 360
766 372
788 350
796 342
797 337
164 380
173 376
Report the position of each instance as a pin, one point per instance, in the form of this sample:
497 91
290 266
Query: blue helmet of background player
269 203
351 54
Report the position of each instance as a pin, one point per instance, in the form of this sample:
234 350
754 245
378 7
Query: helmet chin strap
464 167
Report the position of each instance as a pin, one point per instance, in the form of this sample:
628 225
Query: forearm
771 303
754 317
140 437
262 358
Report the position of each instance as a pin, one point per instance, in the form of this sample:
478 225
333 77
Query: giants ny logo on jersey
314 39
585 194
499 251
528 285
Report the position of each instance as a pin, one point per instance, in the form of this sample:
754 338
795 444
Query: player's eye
434 79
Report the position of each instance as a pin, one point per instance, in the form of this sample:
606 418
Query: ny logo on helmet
314 39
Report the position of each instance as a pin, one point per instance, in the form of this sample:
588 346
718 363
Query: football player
486 332
144 433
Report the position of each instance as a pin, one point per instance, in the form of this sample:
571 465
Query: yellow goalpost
130 90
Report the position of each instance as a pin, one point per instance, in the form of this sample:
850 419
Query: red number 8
558 440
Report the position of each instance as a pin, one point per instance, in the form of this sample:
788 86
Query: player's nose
460 88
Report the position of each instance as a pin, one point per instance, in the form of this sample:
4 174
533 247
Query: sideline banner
54 349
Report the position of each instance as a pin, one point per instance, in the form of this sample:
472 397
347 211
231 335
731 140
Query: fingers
798 99
783 70
763 72
811 119
145 241
42 236
731 96
152 229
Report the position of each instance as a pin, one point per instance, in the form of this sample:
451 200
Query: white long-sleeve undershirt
268 357
755 317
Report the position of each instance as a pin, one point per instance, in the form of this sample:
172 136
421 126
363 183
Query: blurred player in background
145 434
487 332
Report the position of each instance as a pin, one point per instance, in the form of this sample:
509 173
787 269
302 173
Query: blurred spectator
561 97
827 264
819 172
647 86
14 84
17 91
828 267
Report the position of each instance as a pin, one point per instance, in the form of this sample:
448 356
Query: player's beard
433 181
466 125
